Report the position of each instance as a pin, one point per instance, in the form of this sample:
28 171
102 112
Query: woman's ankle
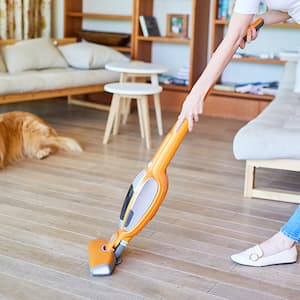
277 243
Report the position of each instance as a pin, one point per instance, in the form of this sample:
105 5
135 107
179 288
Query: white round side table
133 69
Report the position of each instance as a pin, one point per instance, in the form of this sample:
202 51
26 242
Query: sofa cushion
86 55
274 134
32 54
53 79
2 65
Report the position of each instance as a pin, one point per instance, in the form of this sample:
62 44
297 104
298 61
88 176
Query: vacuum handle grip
257 24
170 145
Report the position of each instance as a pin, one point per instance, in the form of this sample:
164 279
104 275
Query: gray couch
272 140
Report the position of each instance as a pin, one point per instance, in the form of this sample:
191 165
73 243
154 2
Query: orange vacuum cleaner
141 203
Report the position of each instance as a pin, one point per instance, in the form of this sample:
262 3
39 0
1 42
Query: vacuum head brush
102 261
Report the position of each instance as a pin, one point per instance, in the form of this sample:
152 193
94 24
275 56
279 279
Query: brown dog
23 134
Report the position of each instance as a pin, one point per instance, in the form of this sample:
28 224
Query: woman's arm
193 104
275 16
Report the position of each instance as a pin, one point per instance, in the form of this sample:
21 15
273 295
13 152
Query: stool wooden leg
158 113
117 115
146 119
126 110
111 116
140 115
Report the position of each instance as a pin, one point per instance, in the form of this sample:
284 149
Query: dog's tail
67 144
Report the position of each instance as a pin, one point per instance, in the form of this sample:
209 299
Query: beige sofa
271 140
42 68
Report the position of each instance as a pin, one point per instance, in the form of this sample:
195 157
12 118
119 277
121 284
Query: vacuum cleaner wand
141 203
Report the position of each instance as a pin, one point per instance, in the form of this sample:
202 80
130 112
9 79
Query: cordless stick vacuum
141 203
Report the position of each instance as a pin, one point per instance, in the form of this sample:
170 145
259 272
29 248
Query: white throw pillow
86 55
2 65
32 54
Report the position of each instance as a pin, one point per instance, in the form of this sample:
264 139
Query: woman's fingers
254 33
191 109
249 35
191 122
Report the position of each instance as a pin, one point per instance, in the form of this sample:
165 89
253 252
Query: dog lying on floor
24 134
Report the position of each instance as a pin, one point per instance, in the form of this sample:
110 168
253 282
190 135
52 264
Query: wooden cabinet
73 16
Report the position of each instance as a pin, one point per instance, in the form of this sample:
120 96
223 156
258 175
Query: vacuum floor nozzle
101 261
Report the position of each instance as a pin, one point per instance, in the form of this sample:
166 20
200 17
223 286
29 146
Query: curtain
25 19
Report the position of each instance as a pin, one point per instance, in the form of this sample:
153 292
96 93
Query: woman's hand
252 34
191 109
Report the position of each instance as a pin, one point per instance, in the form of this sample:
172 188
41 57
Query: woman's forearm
275 16
223 54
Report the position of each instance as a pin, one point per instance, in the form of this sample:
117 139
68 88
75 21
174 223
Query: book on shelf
179 81
224 87
149 26
258 88
183 73
170 79
225 9
165 79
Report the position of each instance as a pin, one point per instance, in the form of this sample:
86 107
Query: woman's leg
292 228
275 249
286 238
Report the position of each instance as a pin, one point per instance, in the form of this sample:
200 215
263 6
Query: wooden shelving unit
197 43
141 47
74 16
232 104
217 36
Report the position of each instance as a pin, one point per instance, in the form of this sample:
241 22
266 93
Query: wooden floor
50 210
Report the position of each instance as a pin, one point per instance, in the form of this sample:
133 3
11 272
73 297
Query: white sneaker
255 257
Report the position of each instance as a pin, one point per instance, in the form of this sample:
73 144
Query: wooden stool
131 90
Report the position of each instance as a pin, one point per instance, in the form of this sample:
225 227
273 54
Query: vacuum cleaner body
141 203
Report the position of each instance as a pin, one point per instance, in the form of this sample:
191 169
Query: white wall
271 40
174 56
120 7
58 18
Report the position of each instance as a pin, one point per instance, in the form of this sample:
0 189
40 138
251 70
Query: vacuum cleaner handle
257 24
169 146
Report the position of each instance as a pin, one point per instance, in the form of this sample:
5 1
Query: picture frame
177 25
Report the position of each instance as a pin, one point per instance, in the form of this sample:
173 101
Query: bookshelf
197 43
141 47
74 15
238 105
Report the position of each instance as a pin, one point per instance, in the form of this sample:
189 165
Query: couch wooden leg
249 179
70 99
